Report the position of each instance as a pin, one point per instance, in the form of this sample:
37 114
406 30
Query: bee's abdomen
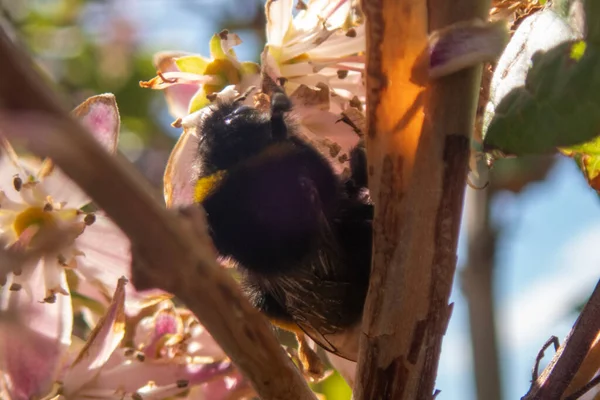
266 214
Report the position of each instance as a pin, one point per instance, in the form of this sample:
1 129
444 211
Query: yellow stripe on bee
205 185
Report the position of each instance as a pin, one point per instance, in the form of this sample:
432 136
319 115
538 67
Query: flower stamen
17 183
89 219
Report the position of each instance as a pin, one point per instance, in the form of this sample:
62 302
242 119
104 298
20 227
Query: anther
301 6
351 33
182 383
129 352
136 396
48 207
89 219
50 299
15 287
140 357
342 73
17 183
62 260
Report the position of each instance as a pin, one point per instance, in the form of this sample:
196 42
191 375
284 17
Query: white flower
324 43
37 200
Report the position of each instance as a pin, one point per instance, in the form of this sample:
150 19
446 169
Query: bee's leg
312 364
280 104
358 165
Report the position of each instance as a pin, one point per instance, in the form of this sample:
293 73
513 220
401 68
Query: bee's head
232 132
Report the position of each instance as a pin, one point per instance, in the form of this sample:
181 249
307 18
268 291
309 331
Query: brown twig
555 379
535 371
418 151
176 259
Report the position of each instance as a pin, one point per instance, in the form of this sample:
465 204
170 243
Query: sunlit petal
279 18
34 337
103 341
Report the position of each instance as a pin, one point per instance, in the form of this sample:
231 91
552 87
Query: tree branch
418 150
174 258
555 379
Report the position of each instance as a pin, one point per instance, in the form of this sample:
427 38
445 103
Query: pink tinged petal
151 333
167 79
107 253
279 19
202 344
100 115
103 341
323 128
330 126
9 167
346 368
153 392
179 174
465 44
34 337
230 387
129 377
178 96
62 189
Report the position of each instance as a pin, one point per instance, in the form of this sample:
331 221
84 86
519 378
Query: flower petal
61 188
107 253
132 376
34 337
279 19
333 137
178 96
100 115
101 344
346 368
179 176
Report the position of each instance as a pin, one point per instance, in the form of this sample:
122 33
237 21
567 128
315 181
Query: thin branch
174 257
535 371
555 379
418 150
477 286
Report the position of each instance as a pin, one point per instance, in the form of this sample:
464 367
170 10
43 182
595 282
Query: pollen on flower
17 183
31 218
89 219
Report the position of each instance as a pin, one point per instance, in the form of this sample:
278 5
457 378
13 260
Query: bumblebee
299 233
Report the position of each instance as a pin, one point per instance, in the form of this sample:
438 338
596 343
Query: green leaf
192 64
587 157
559 105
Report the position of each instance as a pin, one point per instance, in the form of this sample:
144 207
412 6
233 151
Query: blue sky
548 257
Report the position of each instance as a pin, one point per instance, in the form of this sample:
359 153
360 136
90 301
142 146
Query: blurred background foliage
94 46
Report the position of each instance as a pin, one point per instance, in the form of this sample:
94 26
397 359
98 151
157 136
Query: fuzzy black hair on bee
299 233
